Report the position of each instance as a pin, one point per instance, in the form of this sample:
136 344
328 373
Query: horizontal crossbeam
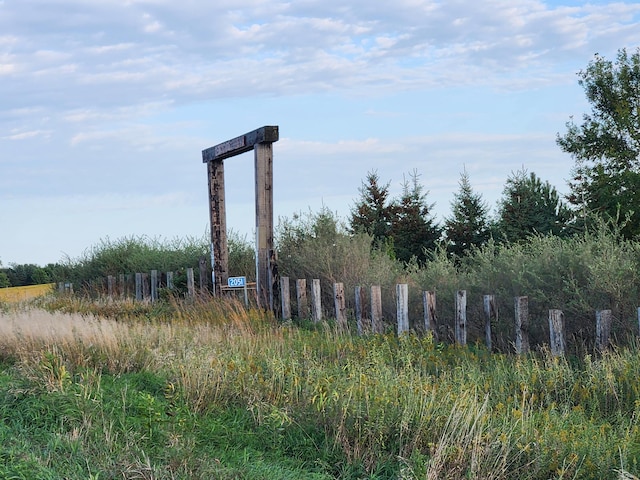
241 144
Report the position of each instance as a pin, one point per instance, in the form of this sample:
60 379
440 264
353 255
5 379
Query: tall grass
393 407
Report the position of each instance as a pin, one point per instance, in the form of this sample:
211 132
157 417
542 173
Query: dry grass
21 294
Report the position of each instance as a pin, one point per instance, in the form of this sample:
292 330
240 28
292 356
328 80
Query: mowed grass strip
20 294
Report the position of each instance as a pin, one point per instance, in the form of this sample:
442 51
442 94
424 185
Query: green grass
207 390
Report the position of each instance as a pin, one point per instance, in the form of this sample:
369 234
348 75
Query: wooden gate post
264 223
218 221
259 140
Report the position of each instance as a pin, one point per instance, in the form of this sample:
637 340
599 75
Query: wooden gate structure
260 141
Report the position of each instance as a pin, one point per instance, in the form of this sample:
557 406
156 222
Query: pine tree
530 206
413 228
468 225
372 213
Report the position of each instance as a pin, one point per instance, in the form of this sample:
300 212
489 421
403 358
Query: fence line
368 316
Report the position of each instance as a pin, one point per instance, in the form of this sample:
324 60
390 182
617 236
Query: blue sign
237 282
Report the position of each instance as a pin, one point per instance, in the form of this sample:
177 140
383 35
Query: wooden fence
368 315
369 319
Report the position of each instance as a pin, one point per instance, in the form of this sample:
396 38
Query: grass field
20 294
209 390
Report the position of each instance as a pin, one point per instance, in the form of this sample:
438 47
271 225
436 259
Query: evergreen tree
413 229
372 213
468 225
530 206
606 146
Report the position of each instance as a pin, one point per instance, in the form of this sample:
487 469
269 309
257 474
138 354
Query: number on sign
235 282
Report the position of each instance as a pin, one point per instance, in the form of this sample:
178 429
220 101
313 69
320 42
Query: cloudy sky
106 105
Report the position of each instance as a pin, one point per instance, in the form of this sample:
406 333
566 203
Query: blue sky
106 106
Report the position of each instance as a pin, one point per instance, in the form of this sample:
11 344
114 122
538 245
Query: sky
106 106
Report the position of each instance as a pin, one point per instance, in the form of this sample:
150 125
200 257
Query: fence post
138 287
301 298
146 292
202 269
285 298
154 285
121 282
316 300
461 317
490 314
402 307
556 332
603 329
521 306
110 281
376 309
170 280
191 287
360 311
430 317
339 302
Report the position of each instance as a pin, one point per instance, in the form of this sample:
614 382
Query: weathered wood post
170 280
461 317
556 332
340 305
402 307
316 300
361 322
490 315
191 286
122 284
259 140
285 298
521 306
376 309
154 285
110 286
603 329
430 316
139 287
202 270
301 298
146 291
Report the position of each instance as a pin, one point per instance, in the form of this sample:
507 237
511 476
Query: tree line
604 185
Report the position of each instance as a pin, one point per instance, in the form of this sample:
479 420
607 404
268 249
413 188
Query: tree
413 228
530 206
4 280
468 225
606 146
372 213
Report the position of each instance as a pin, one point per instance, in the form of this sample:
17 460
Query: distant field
18 294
